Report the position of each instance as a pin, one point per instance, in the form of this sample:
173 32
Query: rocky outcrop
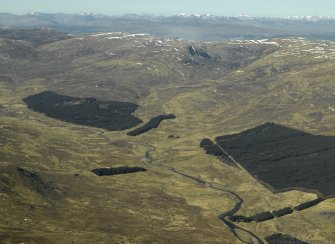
198 52
34 181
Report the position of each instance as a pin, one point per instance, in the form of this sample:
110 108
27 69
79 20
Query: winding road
149 161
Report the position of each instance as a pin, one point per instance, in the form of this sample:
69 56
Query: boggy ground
282 82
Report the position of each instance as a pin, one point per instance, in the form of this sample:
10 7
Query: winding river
149 161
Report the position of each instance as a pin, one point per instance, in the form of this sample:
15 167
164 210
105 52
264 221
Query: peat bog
153 123
117 171
111 115
285 158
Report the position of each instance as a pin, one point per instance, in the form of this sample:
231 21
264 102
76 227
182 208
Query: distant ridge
201 27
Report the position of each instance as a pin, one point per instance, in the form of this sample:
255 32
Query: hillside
159 186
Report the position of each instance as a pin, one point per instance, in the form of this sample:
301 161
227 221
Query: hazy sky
276 8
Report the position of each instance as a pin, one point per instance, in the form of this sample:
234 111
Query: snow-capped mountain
205 27
201 16
310 18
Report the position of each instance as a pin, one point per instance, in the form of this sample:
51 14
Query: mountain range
186 26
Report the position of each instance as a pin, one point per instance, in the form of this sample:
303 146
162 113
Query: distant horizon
166 15
229 8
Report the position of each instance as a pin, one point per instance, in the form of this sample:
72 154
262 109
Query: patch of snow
137 35
265 41
180 72
114 37
216 92
103 34
313 51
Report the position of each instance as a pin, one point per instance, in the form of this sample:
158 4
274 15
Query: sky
256 8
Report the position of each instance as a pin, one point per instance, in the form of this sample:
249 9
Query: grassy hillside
47 190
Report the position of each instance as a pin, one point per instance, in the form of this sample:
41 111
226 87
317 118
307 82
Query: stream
149 161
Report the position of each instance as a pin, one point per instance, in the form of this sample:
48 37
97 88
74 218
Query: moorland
49 194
